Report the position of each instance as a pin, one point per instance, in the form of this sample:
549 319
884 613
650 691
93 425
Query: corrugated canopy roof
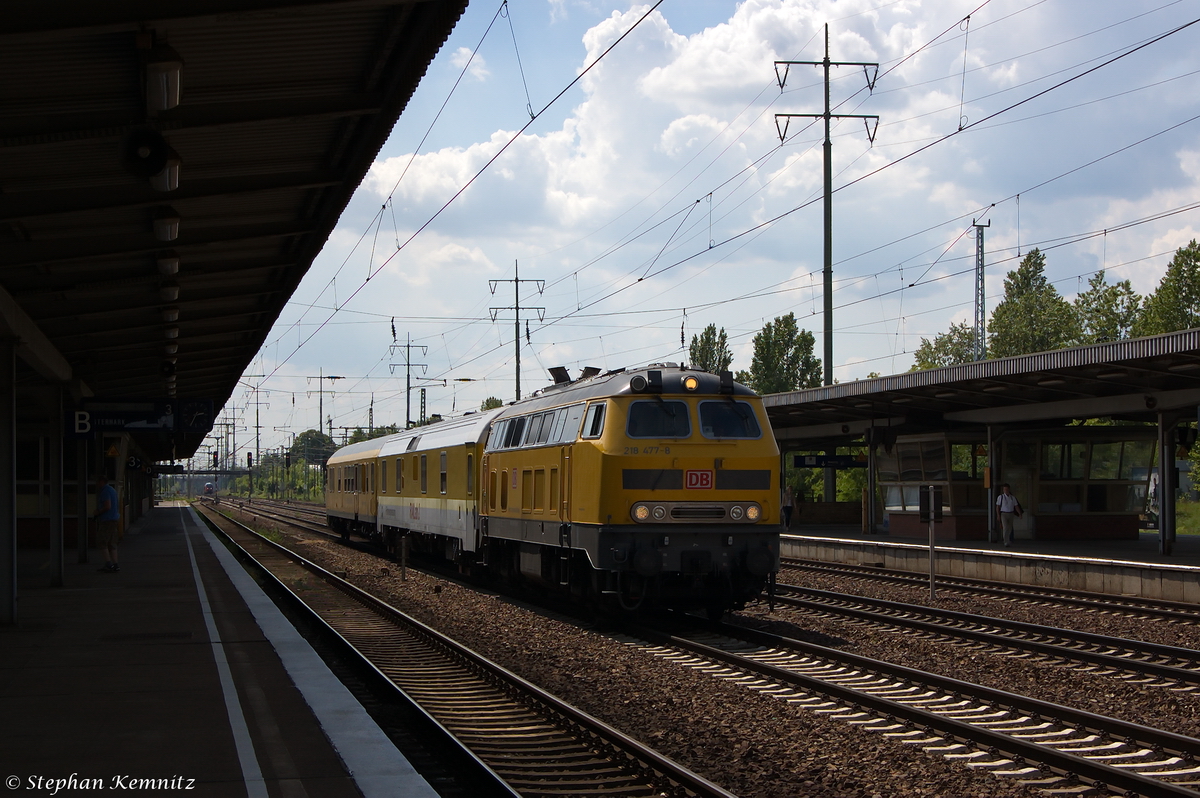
1134 379
283 107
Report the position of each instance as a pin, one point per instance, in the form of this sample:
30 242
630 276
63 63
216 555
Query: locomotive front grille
707 513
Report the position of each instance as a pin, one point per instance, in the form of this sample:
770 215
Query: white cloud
478 69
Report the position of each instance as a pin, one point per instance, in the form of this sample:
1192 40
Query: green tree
1106 312
710 350
313 446
491 403
1175 304
783 358
956 345
358 435
1032 317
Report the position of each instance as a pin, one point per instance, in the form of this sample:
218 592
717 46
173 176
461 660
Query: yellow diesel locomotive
656 486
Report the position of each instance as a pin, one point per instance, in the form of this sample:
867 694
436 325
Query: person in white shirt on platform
1008 509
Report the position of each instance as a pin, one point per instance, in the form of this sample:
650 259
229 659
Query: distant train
657 486
209 489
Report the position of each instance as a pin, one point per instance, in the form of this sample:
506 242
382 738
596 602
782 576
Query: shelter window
1063 460
910 462
967 460
728 420
658 419
442 466
933 459
1136 459
424 474
1106 460
593 422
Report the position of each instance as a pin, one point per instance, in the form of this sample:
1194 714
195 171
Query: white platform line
256 787
377 767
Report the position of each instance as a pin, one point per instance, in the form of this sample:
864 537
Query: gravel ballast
751 744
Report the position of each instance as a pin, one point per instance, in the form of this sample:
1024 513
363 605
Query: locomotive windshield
728 420
658 419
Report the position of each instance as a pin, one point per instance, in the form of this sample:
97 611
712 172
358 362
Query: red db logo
698 480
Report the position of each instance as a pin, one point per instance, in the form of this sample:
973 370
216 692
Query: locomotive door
564 505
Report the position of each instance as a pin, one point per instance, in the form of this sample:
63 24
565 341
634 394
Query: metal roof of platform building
284 105
1135 380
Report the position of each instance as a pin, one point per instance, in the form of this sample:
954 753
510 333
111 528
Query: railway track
1105 603
1149 664
536 744
1049 747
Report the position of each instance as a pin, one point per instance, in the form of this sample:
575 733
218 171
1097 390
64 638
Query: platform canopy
1135 380
169 171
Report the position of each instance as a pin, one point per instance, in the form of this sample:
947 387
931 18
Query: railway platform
177 674
1123 567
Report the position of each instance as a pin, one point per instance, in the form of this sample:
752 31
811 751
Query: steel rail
825 603
1020 751
663 773
1107 602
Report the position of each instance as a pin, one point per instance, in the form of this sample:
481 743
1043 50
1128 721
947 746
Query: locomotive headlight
735 513
660 512
690 383
753 512
641 512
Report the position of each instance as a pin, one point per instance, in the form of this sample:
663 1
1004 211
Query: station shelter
168 174
1091 440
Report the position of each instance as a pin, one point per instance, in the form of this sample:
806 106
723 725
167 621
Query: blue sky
644 196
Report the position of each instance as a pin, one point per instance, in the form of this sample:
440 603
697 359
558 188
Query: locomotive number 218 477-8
648 450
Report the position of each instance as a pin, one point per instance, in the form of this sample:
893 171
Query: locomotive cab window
728 419
593 422
658 419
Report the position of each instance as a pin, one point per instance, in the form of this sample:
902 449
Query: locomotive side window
569 430
442 466
547 424
424 474
593 422
399 474
470 474
658 419
415 463
492 491
534 428
728 420
504 490
383 476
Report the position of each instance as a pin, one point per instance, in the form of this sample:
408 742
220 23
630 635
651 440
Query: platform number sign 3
698 480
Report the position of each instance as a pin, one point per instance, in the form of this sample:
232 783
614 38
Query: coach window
383 476
470 474
593 422
424 474
659 419
415 465
442 466
516 430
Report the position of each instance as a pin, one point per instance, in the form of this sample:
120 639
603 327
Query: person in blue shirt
108 514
